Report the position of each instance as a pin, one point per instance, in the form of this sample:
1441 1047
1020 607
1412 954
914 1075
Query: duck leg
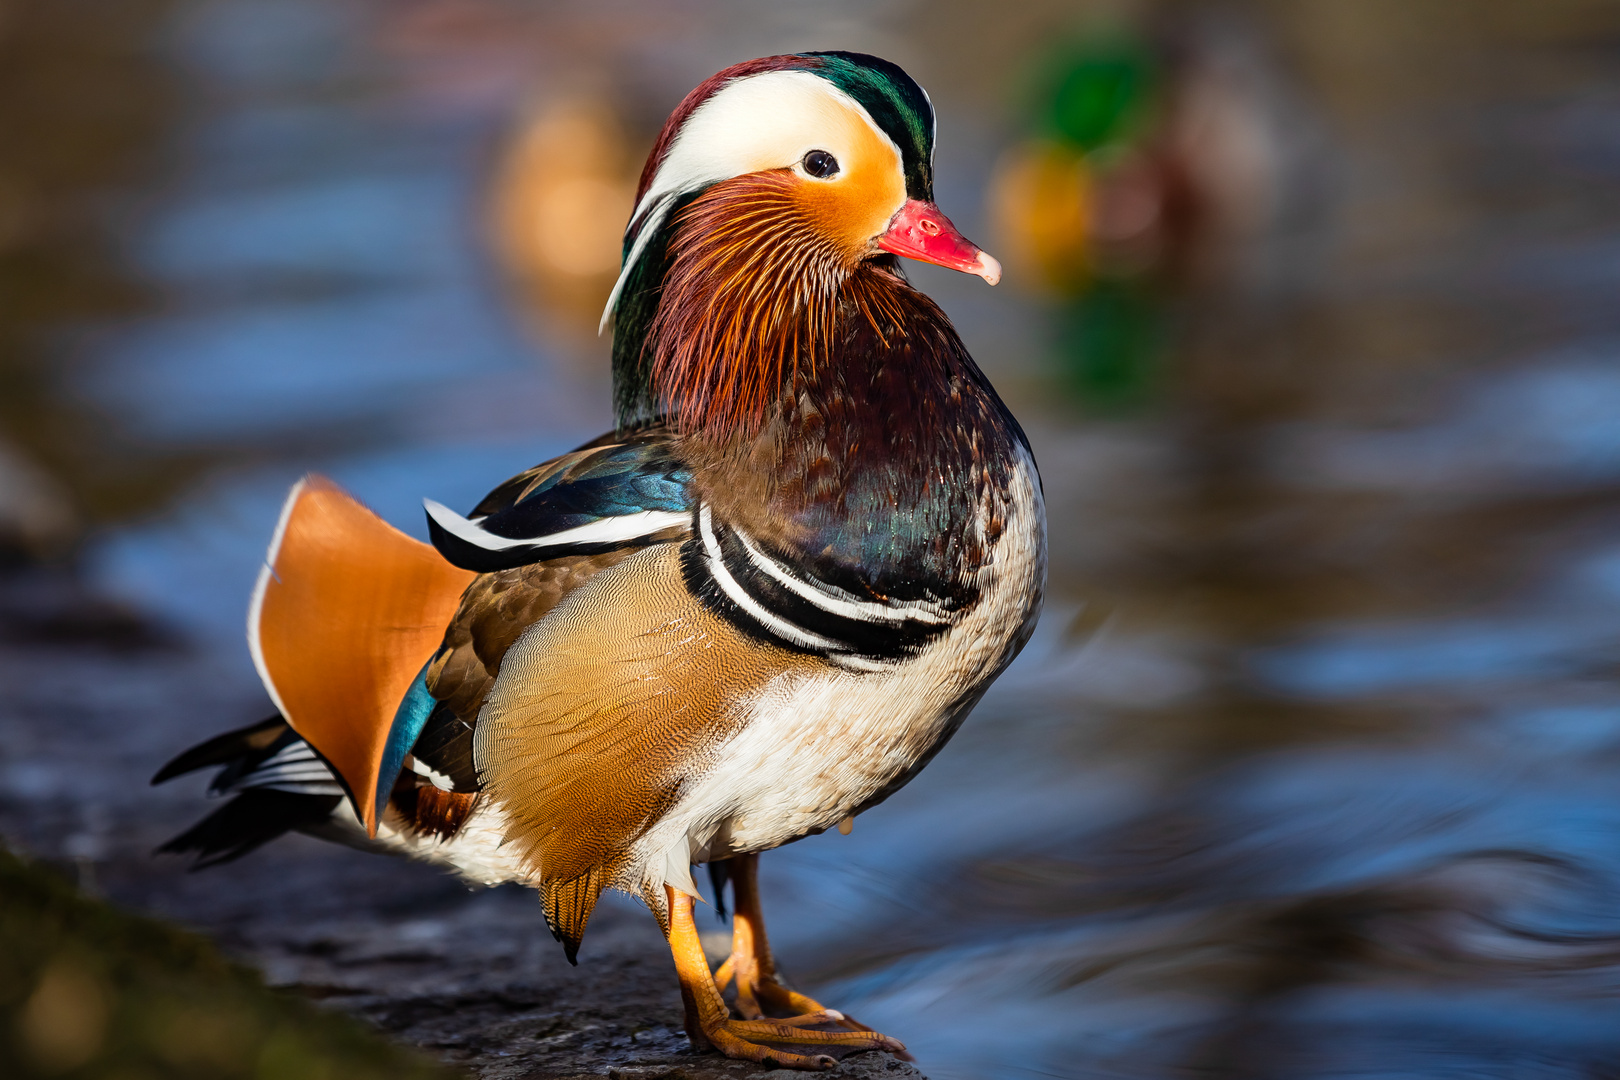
709 1023
751 962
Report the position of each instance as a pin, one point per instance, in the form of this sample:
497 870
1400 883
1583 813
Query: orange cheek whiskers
750 298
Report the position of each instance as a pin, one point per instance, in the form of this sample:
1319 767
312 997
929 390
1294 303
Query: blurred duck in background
1149 160
561 193
753 611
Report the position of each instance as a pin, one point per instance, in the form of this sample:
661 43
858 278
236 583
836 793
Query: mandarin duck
755 609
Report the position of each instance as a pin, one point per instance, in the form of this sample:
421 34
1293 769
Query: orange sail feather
346 611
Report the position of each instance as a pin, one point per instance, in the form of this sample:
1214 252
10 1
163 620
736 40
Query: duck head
771 186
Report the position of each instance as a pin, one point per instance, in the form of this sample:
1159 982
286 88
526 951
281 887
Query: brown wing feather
601 711
346 611
495 611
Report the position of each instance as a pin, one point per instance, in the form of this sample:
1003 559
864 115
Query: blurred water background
1312 318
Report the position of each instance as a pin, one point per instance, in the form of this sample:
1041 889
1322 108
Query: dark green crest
897 104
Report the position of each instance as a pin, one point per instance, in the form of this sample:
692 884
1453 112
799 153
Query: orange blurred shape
561 197
1041 208
64 1021
1064 216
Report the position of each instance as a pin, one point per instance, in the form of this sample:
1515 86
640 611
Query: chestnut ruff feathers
752 303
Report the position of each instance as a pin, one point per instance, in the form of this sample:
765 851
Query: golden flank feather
495 611
346 612
600 711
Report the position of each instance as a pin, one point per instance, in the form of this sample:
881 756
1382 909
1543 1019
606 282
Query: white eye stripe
655 212
765 121
933 127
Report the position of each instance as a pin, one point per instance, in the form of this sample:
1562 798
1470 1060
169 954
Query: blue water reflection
1553 423
380 227
196 566
1403 656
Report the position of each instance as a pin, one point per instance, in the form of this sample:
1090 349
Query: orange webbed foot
758 1040
751 966
709 1022
761 993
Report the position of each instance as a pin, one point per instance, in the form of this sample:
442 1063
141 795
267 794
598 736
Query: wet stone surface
471 976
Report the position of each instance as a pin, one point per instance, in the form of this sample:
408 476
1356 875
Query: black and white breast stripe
767 597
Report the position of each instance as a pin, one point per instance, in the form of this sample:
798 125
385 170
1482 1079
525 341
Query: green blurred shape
1110 344
88 991
1096 91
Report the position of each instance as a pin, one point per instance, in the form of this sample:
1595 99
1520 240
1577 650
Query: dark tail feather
719 875
253 818
224 749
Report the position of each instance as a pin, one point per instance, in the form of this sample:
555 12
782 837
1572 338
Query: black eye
820 164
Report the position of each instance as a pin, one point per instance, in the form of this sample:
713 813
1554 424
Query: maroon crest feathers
703 92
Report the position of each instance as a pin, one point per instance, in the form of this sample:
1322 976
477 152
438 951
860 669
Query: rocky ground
95 699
